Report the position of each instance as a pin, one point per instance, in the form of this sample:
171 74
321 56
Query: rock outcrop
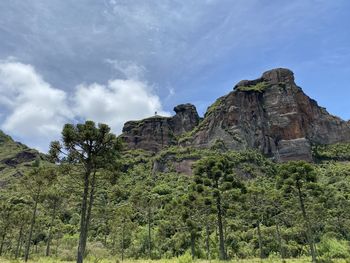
157 132
271 114
15 158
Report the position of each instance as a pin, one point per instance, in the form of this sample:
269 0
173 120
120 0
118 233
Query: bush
333 248
185 258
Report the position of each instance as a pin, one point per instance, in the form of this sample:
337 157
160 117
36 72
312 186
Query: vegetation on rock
259 87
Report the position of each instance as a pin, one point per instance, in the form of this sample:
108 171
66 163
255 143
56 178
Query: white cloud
34 111
117 102
129 69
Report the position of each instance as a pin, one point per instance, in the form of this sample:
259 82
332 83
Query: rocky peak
186 118
271 114
272 77
155 133
278 75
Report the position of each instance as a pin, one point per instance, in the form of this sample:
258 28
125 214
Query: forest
91 200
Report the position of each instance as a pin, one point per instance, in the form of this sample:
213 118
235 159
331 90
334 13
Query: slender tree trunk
279 240
81 246
57 246
207 242
123 236
3 237
309 234
21 245
88 215
50 229
113 244
149 233
260 241
26 254
222 254
19 241
193 243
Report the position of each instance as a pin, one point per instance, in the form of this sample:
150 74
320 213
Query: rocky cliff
270 113
157 132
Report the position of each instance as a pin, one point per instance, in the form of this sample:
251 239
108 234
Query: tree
36 183
90 149
296 177
256 201
121 228
53 199
190 216
215 175
6 208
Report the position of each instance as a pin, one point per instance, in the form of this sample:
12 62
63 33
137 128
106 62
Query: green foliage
259 87
333 248
140 213
337 152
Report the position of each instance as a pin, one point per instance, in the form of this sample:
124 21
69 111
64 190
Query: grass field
179 260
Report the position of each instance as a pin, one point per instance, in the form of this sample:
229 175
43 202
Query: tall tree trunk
19 241
3 241
279 240
222 254
123 237
260 240
309 234
193 243
207 242
149 233
88 214
3 237
50 229
21 245
81 246
26 254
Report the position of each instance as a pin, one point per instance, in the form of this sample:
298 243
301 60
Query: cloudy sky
116 60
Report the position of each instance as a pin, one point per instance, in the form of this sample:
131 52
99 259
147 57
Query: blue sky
115 60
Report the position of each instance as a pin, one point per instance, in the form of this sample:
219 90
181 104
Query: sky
117 60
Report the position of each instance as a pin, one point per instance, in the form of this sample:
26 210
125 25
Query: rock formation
154 133
15 158
271 114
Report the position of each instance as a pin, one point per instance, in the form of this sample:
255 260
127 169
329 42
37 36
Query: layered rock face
155 133
271 114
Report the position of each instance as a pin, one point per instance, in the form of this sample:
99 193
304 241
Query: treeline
94 200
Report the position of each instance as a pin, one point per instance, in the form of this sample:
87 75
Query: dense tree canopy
114 203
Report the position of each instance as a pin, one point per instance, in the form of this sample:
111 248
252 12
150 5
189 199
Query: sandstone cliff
155 133
271 114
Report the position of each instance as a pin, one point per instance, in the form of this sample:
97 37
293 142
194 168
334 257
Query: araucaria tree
90 148
297 178
215 175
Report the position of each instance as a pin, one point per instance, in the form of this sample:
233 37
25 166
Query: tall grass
175 260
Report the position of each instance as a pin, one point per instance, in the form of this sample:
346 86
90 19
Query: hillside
15 158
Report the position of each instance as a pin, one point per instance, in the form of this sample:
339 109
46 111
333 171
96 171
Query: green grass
175 260
259 87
